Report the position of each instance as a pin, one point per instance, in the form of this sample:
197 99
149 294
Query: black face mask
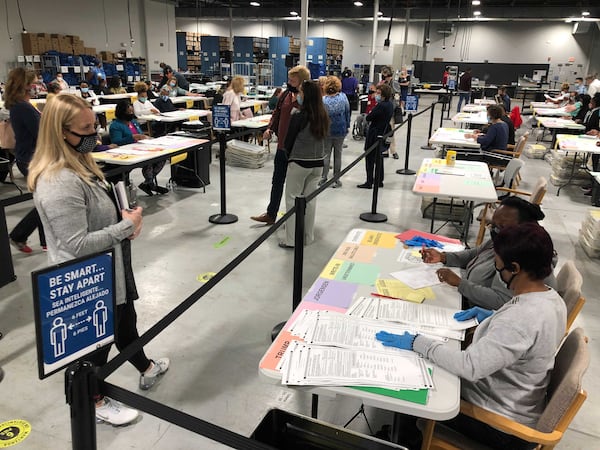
129 117
87 142
292 89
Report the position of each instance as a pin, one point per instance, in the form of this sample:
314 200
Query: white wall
498 42
65 17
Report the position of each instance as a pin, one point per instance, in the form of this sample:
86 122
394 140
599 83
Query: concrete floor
215 347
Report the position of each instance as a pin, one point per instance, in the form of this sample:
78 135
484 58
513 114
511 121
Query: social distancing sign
74 310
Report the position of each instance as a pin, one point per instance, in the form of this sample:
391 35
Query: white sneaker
115 413
148 378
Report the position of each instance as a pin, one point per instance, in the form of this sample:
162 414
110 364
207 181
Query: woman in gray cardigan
77 209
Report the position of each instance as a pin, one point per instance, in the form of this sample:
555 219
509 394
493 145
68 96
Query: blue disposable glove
419 241
403 341
479 313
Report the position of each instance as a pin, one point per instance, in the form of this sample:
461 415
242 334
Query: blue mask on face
85 90
142 99
378 98
164 97
300 100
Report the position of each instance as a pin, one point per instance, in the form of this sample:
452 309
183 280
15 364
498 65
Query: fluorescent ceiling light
585 13
293 13
358 4
475 3
321 20
254 4
379 13
476 13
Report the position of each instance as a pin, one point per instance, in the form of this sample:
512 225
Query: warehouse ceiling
439 10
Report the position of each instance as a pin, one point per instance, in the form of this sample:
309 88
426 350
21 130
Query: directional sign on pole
74 307
221 117
412 103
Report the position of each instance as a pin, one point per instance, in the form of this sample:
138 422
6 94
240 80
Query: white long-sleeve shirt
142 109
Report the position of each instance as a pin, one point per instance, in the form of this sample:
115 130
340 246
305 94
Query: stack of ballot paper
244 154
308 364
408 313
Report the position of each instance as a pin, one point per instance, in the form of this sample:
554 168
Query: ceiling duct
445 28
581 27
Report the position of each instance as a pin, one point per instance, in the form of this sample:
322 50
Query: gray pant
336 143
301 181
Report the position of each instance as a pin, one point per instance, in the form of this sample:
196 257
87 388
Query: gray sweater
507 367
480 283
79 220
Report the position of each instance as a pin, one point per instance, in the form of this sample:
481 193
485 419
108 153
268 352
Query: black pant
125 333
487 435
370 166
30 222
279 173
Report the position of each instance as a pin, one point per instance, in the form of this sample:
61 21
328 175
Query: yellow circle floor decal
13 432
204 277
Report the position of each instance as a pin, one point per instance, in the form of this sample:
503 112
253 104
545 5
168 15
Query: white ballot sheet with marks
411 313
307 364
419 276
341 330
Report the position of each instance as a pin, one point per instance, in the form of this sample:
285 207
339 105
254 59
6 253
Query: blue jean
280 165
335 143
31 221
463 96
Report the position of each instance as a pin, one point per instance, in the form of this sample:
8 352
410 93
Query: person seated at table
181 80
233 98
125 130
142 106
502 98
115 85
479 285
163 103
507 367
274 99
39 86
178 91
102 88
53 90
585 107
85 93
61 81
592 128
152 94
561 99
573 107
511 128
496 136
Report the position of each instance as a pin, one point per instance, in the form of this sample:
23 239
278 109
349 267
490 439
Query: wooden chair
507 155
565 396
535 196
568 284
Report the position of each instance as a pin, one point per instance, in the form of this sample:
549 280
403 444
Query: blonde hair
52 152
237 84
565 86
300 72
16 86
333 85
140 86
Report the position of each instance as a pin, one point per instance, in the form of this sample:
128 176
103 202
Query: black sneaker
159 189
146 188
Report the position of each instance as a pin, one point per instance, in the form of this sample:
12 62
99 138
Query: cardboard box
30 44
90 50
65 47
54 44
41 42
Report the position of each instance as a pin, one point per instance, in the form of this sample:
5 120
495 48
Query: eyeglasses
501 269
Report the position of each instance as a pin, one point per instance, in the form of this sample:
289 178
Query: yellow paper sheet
397 289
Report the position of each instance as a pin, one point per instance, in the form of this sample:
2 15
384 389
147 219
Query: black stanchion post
80 382
300 204
223 218
406 170
429 147
443 110
374 216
